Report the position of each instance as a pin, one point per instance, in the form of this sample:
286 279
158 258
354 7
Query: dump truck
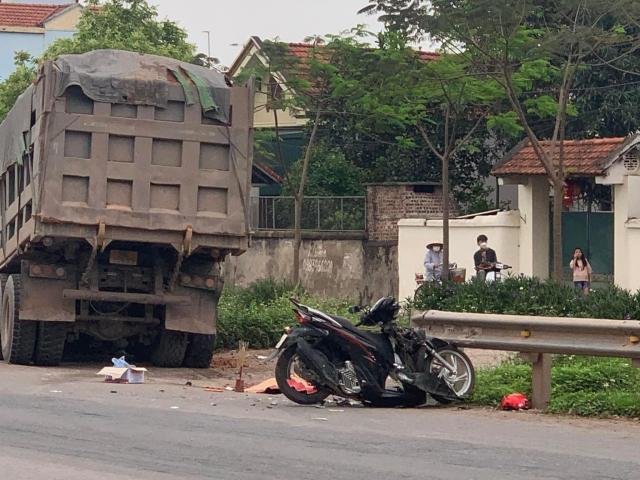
125 185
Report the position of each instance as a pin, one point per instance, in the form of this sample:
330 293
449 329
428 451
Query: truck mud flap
41 297
200 316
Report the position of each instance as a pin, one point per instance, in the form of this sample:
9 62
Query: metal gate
593 232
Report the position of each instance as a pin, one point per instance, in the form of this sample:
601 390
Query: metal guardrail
341 214
535 338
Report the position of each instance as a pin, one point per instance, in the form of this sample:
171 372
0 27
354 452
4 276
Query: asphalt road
66 424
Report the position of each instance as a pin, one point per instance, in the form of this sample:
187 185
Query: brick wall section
388 203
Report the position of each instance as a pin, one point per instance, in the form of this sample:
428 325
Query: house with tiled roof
600 214
32 26
600 201
291 122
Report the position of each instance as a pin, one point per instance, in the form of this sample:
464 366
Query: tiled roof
304 52
581 157
269 172
27 15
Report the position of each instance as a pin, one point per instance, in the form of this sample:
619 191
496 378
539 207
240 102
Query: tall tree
439 102
298 87
520 43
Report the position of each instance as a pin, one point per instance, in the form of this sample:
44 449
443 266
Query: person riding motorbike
485 260
433 260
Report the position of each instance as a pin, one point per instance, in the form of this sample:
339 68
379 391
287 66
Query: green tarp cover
116 76
13 130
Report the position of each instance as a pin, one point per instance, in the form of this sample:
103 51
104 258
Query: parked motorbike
492 271
328 355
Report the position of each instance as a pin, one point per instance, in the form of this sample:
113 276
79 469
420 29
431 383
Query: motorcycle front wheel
291 383
461 380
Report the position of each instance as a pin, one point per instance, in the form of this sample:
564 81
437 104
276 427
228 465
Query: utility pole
208 32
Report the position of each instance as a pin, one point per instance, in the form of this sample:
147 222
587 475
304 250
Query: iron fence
341 214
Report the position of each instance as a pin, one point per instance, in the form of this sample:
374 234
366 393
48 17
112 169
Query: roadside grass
258 314
586 386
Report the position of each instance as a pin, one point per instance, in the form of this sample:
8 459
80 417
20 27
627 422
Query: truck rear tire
50 343
170 349
18 337
199 351
3 281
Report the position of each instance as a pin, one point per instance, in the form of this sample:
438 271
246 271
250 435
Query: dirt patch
256 367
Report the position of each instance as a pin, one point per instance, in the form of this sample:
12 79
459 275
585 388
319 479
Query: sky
232 22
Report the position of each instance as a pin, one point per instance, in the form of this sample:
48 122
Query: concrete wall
332 265
533 201
414 234
11 42
33 43
627 233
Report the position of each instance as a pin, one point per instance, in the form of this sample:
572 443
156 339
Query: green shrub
529 296
258 314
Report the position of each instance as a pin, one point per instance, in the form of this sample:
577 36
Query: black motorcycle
328 355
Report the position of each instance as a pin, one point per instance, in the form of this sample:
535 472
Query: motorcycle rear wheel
284 369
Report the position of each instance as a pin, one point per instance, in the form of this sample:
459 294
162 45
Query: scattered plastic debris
174 408
274 403
228 388
261 357
55 391
321 419
335 410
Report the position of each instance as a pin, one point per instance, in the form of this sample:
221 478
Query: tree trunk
445 219
279 143
558 192
299 198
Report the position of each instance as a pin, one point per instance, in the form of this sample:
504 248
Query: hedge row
529 296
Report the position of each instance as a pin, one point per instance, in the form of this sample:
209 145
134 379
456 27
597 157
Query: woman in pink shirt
581 269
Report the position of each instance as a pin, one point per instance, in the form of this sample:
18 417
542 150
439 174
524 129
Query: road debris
269 387
174 408
55 391
122 372
515 401
188 384
335 410
214 389
242 358
321 419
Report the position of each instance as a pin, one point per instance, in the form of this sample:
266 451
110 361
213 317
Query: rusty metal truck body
125 181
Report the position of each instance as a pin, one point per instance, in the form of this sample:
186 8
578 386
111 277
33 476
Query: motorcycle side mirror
355 309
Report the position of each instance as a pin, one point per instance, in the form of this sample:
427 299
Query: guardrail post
541 379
